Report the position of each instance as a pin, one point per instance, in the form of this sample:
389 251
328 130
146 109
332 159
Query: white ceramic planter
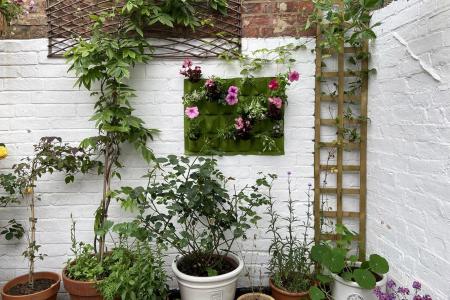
348 290
222 287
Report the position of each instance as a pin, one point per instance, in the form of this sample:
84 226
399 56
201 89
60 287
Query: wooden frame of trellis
341 167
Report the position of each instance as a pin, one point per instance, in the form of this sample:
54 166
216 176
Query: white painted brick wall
37 98
409 144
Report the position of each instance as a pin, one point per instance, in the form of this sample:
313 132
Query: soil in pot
190 265
24 289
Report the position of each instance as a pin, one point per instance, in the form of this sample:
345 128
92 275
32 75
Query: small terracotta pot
80 290
280 294
48 294
255 296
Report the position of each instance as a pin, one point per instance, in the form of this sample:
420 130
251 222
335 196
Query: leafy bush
191 209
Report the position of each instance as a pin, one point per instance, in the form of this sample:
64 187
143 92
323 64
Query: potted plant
131 270
290 266
50 155
395 292
191 210
342 270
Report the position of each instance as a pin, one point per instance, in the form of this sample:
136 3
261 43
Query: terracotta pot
255 296
80 290
280 294
48 294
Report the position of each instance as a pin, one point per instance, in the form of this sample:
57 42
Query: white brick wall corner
409 143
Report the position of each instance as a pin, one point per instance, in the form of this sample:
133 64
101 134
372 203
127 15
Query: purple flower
192 112
289 173
427 297
239 123
231 99
403 290
390 284
416 285
417 297
293 76
209 83
233 90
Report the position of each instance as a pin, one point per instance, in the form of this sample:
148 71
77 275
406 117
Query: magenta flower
276 101
209 83
239 123
192 112
233 90
273 84
293 76
187 63
231 99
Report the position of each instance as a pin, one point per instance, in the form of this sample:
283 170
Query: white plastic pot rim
217 278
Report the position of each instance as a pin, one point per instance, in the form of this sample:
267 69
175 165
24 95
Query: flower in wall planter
275 111
213 89
243 127
293 76
193 74
192 112
232 97
273 85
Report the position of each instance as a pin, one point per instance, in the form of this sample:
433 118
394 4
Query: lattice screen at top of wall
70 19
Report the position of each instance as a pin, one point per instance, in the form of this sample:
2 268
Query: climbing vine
106 60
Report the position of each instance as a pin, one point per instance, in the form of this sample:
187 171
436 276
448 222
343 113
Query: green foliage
50 155
290 266
10 10
338 260
12 230
191 209
350 25
137 274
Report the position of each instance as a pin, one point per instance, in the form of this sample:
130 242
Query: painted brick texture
37 98
260 18
409 143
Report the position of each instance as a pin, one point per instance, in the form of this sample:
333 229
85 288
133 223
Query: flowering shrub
401 293
12 9
194 74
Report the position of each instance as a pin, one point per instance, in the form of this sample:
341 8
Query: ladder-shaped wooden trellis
339 167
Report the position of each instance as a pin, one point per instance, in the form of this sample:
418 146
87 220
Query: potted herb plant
50 155
132 269
290 266
191 210
344 273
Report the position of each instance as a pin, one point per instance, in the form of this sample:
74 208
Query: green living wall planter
216 116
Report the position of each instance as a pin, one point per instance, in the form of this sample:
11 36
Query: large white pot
349 290
222 287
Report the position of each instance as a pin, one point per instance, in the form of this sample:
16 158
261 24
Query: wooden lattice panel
69 20
340 167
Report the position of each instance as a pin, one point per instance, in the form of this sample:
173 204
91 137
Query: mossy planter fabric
214 117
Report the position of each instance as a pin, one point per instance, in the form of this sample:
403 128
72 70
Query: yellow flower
28 190
3 152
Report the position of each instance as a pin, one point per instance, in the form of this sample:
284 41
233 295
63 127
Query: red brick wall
260 18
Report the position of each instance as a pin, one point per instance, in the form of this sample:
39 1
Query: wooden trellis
339 100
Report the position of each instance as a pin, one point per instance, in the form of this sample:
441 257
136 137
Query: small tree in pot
191 210
50 155
290 267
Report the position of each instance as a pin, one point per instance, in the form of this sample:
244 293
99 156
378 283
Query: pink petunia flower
209 83
276 101
273 84
293 76
233 90
231 99
239 123
187 63
192 112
